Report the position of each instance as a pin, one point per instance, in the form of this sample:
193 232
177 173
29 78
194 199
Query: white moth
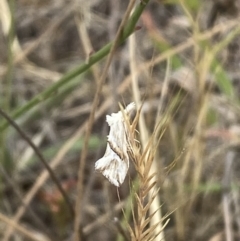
115 162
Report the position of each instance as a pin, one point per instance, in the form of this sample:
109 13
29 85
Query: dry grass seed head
143 159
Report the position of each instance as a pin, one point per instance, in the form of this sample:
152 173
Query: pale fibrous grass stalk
142 159
156 220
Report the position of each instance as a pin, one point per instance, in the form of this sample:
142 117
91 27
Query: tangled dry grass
181 68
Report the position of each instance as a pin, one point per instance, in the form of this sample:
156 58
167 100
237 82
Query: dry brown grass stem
40 72
195 148
226 196
91 120
42 178
41 158
188 43
220 28
143 229
55 23
164 92
24 231
21 55
154 208
99 221
54 163
202 111
85 39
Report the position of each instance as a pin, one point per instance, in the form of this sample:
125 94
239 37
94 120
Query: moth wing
109 120
118 136
113 168
115 162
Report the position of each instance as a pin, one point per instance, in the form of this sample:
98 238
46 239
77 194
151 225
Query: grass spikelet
143 159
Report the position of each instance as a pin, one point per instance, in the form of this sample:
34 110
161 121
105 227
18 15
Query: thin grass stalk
24 231
5 101
116 42
41 158
129 209
129 28
144 136
57 160
10 70
85 39
220 28
142 159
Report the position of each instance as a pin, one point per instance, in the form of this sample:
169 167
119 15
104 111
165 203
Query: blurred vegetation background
182 63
